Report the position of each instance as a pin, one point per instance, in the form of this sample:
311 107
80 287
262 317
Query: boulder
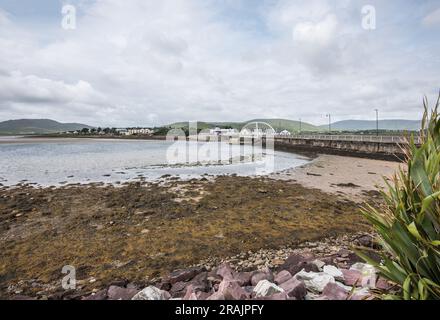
225 271
334 272
164 285
178 289
243 278
352 277
335 292
203 295
319 264
183 275
261 275
294 288
368 274
151 293
383 284
190 293
276 296
265 288
315 281
201 282
231 290
216 296
296 263
282 277
100 295
119 293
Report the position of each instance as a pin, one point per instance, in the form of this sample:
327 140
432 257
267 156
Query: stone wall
376 150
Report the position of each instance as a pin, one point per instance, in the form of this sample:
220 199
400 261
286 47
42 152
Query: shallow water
65 161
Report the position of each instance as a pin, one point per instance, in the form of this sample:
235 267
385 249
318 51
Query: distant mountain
277 124
356 125
37 126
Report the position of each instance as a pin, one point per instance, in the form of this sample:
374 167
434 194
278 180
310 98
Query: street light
377 121
329 122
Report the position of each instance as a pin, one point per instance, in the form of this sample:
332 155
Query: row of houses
134 131
246 131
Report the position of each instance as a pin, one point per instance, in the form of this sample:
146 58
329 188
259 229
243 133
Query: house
122 131
140 131
223 132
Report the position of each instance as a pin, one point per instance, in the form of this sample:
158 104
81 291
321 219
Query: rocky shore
133 234
323 270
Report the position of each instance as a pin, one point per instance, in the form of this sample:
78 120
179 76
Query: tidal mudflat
138 231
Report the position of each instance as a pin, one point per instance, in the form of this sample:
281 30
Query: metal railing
358 138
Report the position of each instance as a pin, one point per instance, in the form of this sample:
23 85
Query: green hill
357 125
277 124
37 126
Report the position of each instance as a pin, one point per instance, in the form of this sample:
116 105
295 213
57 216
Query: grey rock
265 288
152 293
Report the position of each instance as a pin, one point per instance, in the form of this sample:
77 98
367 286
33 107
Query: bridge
369 146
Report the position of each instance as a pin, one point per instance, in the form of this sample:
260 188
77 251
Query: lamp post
377 121
329 122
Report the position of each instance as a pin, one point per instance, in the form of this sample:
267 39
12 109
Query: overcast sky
150 62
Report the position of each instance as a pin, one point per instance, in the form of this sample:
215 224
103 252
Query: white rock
343 286
265 288
368 274
151 293
365 269
334 272
315 281
319 264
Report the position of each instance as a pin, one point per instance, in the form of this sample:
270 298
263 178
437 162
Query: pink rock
296 262
334 292
243 278
119 293
352 277
276 296
231 290
383 284
216 296
190 293
178 289
294 288
225 271
261 275
203 295
282 277
183 275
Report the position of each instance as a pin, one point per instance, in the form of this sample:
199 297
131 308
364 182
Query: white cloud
153 62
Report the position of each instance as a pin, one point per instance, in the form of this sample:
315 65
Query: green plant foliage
409 226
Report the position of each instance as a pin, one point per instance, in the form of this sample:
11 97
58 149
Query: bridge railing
361 138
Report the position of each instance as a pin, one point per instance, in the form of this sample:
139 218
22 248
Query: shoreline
298 149
143 231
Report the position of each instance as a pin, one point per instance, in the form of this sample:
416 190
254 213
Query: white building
223 132
141 131
285 133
